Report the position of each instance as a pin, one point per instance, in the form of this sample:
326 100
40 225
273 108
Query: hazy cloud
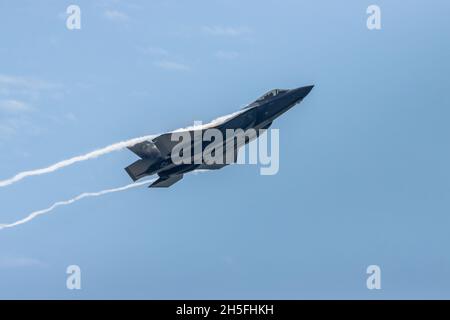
9 126
171 65
19 262
70 116
164 59
226 55
18 95
13 106
226 31
154 51
23 85
6 131
115 15
22 81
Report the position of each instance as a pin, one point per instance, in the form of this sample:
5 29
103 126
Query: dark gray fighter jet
156 154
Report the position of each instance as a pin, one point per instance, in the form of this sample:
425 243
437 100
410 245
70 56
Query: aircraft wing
166 181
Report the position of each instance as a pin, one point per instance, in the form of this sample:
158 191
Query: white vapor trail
65 163
35 214
99 152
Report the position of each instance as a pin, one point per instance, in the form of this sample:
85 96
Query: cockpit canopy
266 96
271 94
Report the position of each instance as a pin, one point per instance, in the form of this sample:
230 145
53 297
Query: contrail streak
35 214
99 152
65 163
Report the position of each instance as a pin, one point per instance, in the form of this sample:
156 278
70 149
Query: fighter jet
157 154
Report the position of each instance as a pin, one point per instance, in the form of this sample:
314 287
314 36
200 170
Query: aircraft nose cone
302 92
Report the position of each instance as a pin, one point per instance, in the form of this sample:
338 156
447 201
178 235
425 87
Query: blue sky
364 161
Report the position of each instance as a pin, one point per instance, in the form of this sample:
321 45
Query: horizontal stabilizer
138 169
166 181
